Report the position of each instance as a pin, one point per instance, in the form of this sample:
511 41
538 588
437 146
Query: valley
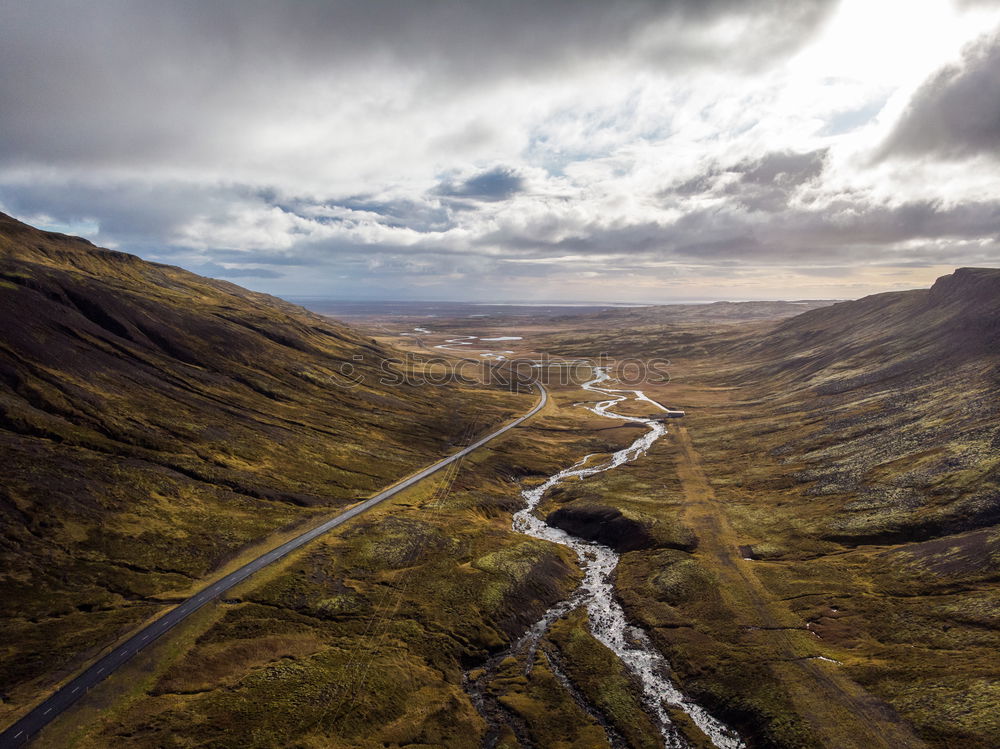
500 375
808 557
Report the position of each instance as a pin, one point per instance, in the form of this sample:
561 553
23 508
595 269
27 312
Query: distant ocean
337 308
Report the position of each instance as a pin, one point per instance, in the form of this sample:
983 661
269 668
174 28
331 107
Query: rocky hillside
908 332
856 451
901 392
153 422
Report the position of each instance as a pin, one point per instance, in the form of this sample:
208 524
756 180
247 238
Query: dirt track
837 709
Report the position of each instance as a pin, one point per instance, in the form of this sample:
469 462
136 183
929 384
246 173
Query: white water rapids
607 619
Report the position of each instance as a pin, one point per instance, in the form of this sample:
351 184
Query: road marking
47 711
18 734
100 669
76 689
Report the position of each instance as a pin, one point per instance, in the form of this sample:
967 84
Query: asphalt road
21 732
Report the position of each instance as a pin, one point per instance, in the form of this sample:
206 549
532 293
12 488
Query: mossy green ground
862 497
433 584
363 638
154 424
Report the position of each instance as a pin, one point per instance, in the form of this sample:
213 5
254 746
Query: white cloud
340 145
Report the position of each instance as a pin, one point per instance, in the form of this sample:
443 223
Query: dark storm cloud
132 81
956 113
500 183
142 215
846 230
766 183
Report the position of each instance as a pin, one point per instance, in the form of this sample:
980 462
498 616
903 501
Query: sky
513 150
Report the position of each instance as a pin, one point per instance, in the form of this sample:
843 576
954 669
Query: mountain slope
902 391
153 422
956 320
840 471
856 452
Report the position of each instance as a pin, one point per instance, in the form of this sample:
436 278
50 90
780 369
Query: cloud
486 149
139 214
956 113
782 168
847 231
765 183
770 182
201 83
212 270
496 184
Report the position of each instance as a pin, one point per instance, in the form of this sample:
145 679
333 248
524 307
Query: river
607 619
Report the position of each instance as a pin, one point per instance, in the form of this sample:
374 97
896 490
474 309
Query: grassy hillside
370 635
154 422
814 547
838 475
900 391
854 451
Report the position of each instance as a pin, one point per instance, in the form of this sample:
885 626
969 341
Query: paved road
21 732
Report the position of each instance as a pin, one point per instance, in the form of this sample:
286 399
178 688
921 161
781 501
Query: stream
607 619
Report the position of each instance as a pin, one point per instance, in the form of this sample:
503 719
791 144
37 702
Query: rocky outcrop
606 525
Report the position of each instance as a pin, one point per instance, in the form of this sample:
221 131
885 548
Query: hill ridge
154 422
